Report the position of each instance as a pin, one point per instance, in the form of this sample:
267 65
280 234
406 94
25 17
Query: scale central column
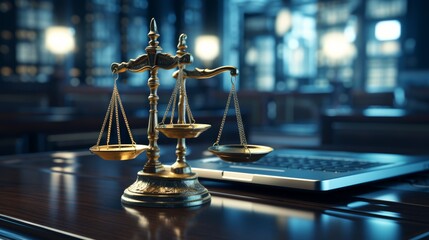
181 166
153 165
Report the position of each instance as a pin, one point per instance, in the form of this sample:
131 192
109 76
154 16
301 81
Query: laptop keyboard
314 163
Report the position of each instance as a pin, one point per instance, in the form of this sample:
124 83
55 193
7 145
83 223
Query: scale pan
118 152
238 153
182 130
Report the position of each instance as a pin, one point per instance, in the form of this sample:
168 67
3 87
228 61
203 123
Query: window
314 43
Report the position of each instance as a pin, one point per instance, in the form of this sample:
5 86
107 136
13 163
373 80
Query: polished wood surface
66 195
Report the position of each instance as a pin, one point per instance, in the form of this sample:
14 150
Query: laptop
311 169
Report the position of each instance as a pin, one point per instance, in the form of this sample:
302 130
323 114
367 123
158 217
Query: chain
115 100
117 115
223 118
188 108
171 101
179 87
109 130
191 118
105 120
173 109
125 118
238 115
241 132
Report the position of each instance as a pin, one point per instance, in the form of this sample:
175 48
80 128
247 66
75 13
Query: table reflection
163 223
237 218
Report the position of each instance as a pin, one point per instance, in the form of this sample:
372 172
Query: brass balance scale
178 187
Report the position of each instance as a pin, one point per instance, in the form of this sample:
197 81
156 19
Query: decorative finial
153 27
153 33
181 46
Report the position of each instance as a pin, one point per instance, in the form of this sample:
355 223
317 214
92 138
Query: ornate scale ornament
117 151
180 129
178 186
242 152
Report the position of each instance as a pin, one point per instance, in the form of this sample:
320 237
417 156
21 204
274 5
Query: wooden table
67 195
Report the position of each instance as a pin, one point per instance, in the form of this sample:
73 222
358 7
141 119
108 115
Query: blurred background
327 73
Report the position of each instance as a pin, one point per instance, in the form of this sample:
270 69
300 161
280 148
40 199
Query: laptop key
314 163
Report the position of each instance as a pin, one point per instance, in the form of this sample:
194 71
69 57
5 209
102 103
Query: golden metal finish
179 186
155 186
166 189
240 153
199 73
182 130
118 152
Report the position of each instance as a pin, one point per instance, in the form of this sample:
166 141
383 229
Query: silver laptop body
311 169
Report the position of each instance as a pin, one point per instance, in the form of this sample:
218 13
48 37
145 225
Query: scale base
166 189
